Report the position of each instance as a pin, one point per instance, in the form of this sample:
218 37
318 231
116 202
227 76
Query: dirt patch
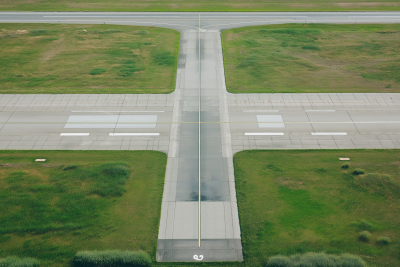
54 48
85 57
14 165
370 4
49 165
308 6
37 173
286 182
15 31
136 52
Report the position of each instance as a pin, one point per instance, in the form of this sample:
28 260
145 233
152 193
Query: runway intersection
200 125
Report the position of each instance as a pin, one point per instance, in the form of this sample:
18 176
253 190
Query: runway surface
190 20
200 125
37 121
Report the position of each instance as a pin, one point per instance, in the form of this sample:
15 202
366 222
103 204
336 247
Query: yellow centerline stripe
188 122
199 136
151 19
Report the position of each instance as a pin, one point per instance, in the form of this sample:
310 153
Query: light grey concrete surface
219 221
36 121
369 120
190 20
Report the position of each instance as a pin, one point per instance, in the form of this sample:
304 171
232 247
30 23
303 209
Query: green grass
206 5
13 261
313 259
108 258
312 58
79 200
289 202
54 58
288 205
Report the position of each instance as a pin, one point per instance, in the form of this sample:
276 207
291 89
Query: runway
200 125
190 20
37 121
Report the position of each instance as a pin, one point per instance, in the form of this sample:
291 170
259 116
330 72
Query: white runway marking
373 16
255 110
270 121
328 133
111 121
264 134
118 111
320 110
134 134
116 16
74 134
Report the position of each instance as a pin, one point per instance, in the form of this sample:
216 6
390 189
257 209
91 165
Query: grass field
79 200
54 58
289 202
299 201
206 5
312 58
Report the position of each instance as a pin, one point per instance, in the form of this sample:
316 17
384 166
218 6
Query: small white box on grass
40 159
344 158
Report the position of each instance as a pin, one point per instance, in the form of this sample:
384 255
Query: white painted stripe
320 110
328 133
264 134
265 16
255 110
373 16
74 134
270 121
87 111
116 16
134 134
107 121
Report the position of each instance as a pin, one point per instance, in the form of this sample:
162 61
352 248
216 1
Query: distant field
79 200
206 5
298 201
312 58
50 58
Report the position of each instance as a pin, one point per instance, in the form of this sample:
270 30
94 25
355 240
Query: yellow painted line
205 122
151 19
199 137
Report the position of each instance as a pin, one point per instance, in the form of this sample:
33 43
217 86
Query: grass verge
297 201
88 59
79 200
206 5
312 58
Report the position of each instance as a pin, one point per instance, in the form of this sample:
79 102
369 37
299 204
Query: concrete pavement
219 235
37 122
190 20
370 120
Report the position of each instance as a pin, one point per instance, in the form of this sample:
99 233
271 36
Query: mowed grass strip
54 58
297 201
79 200
312 58
192 5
